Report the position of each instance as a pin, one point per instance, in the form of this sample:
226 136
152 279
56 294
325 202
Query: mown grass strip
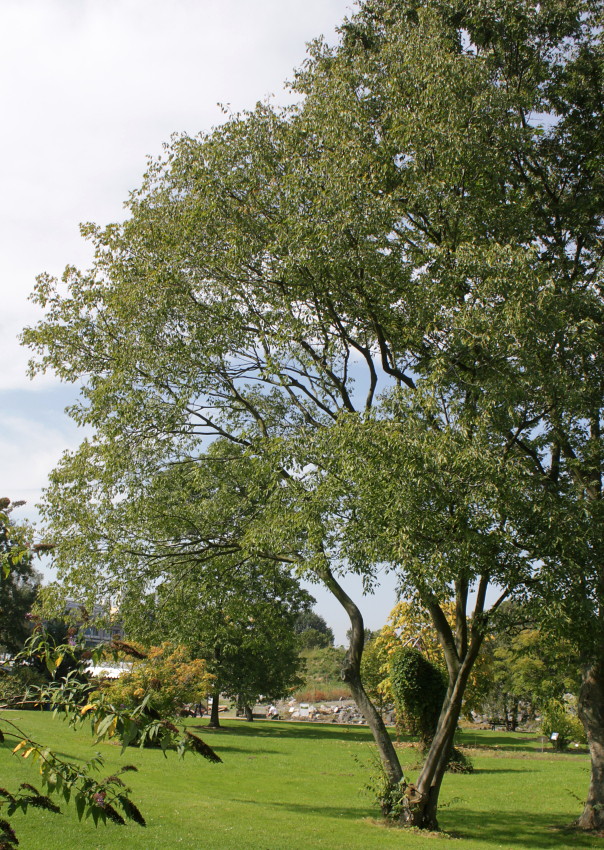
302 786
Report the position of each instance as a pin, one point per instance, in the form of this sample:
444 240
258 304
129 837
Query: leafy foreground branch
102 799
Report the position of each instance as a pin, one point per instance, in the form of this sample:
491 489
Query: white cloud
91 87
30 447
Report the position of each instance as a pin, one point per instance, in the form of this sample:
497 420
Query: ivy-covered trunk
591 713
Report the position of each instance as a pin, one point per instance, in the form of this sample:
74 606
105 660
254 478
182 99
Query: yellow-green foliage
560 717
409 625
169 674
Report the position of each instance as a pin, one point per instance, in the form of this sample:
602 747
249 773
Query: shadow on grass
348 812
297 731
508 829
505 742
498 770
515 829
256 752
499 742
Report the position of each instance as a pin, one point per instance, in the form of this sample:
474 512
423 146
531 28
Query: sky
89 89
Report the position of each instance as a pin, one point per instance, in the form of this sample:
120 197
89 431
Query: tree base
590 822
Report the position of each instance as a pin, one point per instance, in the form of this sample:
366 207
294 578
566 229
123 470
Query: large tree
414 224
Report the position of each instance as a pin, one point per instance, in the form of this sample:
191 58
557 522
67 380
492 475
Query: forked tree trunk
417 804
591 713
460 653
423 813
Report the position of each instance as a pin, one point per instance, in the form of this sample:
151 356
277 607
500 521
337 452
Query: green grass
297 786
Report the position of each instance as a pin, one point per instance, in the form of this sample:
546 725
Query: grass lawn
297 786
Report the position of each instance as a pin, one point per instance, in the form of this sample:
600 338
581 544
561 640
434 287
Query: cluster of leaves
18 579
101 799
14 539
396 800
73 698
168 674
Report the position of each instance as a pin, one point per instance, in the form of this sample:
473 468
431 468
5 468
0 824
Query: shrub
14 685
560 717
167 677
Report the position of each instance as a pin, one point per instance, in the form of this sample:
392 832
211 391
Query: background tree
19 580
527 669
312 630
239 618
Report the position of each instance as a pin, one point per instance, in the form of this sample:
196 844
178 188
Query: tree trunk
351 674
424 801
514 716
214 716
591 713
247 711
388 756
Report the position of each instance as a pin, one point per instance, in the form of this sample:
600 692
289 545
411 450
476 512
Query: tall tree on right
506 229
533 349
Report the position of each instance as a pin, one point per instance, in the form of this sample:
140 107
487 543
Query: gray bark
351 674
591 713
